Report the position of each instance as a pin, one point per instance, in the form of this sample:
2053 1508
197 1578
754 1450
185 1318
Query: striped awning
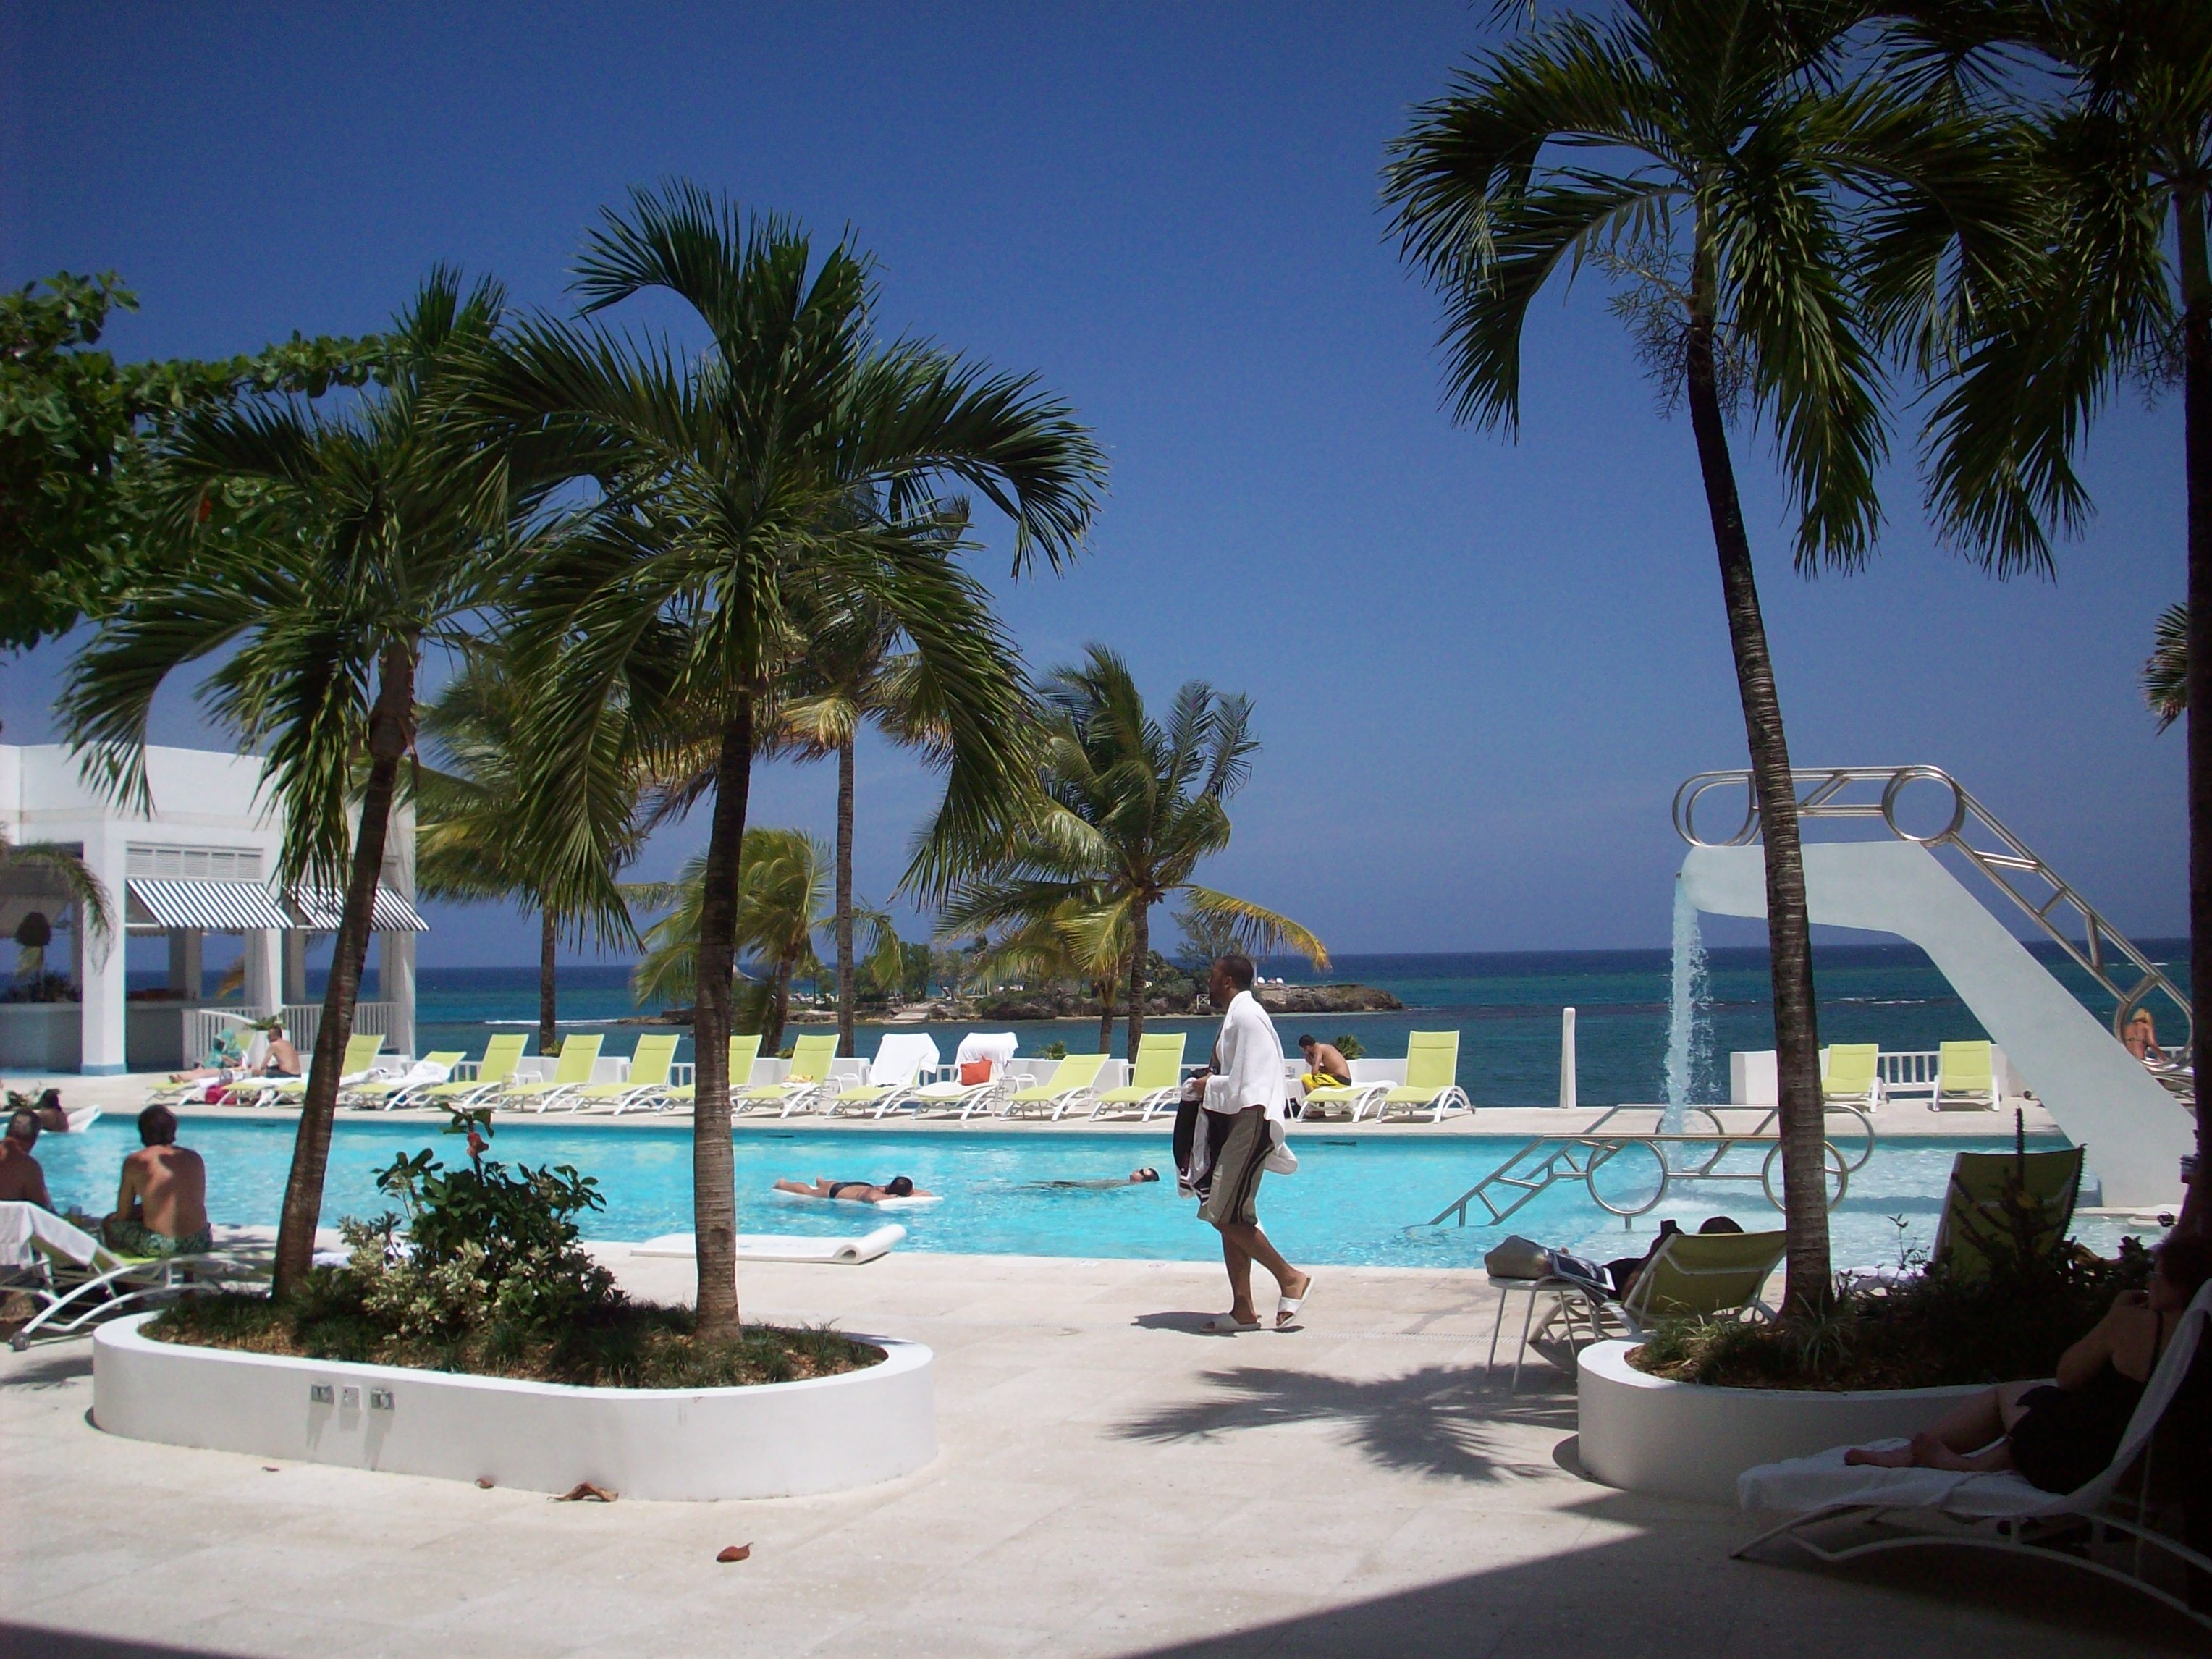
320 911
222 907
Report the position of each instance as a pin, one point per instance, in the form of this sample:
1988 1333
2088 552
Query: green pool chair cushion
1157 1072
571 1070
497 1066
1979 1205
744 1051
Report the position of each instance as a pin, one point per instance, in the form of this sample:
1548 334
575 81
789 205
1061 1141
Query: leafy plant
1350 1046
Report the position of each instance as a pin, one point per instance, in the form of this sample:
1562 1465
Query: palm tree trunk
391 734
549 940
1105 988
779 1009
714 1189
847 1043
1796 1031
1139 954
2196 403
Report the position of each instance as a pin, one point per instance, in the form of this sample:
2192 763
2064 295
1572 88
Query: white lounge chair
646 1082
386 1094
811 1058
893 1075
1155 1081
360 1052
571 1071
988 1049
1998 1510
1072 1083
1965 1078
78 1281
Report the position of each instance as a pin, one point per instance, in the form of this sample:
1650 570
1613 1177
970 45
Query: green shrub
1351 1047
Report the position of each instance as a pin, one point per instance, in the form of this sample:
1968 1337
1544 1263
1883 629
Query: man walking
1229 1124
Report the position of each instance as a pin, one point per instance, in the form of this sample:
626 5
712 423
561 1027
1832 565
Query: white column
395 984
185 972
104 1010
264 970
295 964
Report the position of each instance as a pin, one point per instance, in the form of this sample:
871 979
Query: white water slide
2098 1093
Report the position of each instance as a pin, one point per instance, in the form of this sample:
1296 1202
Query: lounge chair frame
1138 1097
1053 1093
2031 1534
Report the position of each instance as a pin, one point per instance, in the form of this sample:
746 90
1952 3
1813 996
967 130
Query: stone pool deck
1110 1482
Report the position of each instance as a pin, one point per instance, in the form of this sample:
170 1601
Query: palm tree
1717 159
851 673
1084 938
722 478
2124 290
472 844
313 556
781 885
1132 806
60 867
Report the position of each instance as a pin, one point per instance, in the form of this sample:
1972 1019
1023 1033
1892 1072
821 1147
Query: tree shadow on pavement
1440 1420
47 1367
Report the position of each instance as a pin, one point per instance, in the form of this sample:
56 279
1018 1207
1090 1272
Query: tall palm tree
852 673
313 556
2125 291
471 841
676 600
1718 159
781 886
1131 808
1084 938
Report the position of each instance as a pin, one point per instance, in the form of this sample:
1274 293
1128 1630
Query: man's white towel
997 1047
786 1246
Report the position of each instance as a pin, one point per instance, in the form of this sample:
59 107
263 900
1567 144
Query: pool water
1356 1200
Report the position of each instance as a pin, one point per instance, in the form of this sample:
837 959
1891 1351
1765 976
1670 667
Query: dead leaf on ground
483 1483
585 1492
736 1552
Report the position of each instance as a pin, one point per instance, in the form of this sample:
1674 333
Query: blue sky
1480 668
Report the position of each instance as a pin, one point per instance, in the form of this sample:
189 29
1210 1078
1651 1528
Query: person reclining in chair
160 1209
855 1192
2062 1438
22 1180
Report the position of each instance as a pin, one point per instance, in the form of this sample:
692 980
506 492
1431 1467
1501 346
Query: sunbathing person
2062 1438
160 1209
1623 1271
855 1192
22 1180
1134 1178
2142 1039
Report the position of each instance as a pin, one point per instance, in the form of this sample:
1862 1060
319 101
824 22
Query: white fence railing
205 1028
1909 1072
302 1020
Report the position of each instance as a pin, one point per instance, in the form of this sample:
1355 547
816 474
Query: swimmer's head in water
898 1186
1146 1174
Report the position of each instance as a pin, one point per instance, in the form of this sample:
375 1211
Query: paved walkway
1110 1482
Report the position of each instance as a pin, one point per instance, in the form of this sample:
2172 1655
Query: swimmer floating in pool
855 1192
1134 1178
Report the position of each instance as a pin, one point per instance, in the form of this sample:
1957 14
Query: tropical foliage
1132 806
725 484
1766 209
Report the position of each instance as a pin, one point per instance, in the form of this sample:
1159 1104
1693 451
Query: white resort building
202 862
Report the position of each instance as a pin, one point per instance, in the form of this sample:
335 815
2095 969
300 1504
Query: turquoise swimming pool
1356 1200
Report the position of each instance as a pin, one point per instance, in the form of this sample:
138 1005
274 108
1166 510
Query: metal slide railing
1579 1157
2102 952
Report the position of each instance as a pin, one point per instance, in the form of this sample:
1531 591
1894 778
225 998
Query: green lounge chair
492 1071
1854 1075
386 1094
1965 1078
361 1051
1354 1097
580 1056
1432 1082
1978 1213
809 1074
648 1076
744 1051
1155 1081
77 1280
1706 1276
1070 1085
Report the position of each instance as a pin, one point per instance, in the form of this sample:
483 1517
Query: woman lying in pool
2062 1438
855 1192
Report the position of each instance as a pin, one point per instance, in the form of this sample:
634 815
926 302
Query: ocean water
1504 1005
1359 1199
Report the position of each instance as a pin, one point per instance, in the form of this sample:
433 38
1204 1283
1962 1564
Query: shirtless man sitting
855 1192
160 1209
22 1180
1325 1060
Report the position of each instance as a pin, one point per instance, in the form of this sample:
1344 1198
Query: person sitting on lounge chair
1326 1064
160 1209
855 1192
22 1180
1623 1271
1134 1178
283 1058
2062 1438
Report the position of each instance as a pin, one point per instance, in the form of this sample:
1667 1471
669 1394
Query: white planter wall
1687 1440
776 1440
